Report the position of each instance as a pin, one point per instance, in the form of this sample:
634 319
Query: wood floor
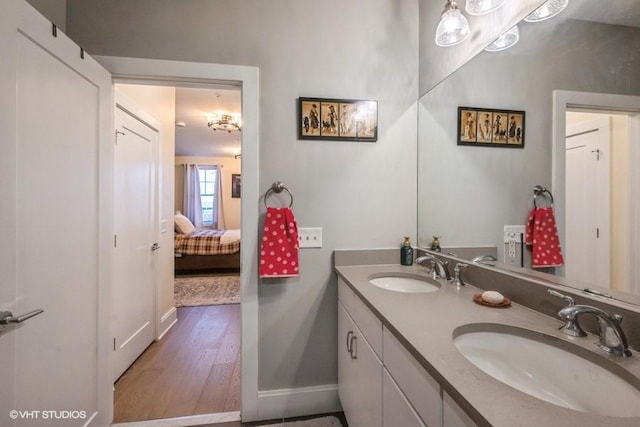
194 369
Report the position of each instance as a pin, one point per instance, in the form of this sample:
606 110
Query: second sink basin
404 282
550 369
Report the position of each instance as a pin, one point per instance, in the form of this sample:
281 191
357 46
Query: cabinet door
396 410
453 415
359 375
422 390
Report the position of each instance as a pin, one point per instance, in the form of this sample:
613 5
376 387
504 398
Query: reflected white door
135 224
55 223
587 251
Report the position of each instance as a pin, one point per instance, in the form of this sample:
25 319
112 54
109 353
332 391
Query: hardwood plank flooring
194 369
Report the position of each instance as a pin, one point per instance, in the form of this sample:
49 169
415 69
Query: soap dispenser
435 244
406 252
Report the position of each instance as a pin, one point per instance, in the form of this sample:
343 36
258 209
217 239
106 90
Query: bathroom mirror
467 194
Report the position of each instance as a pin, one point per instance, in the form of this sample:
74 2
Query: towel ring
277 187
540 191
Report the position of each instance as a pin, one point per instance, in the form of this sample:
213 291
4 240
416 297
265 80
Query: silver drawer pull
6 317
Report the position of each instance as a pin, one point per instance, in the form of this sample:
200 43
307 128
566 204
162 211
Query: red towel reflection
542 235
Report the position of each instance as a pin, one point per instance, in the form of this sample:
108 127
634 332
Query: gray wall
54 10
487 188
363 195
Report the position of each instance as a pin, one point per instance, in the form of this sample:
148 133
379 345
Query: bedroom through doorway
194 368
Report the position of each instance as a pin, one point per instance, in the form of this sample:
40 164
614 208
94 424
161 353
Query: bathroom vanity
398 364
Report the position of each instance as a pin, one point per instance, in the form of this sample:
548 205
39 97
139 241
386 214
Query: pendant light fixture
481 7
549 9
505 41
453 27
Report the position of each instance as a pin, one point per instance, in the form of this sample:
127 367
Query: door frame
564 100
177 73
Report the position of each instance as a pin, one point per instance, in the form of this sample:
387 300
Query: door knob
155 246
6 317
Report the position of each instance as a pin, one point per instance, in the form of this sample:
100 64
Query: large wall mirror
468 194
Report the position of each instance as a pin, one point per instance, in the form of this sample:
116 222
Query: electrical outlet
514 245
310 237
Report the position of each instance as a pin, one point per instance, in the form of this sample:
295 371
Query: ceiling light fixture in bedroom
225 122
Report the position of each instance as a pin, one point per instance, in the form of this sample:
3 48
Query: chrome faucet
612 337
438 267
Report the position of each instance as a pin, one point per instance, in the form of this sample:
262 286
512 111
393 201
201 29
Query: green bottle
406 252
435 244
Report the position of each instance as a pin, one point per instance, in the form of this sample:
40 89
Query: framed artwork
487 127
236 185
337 119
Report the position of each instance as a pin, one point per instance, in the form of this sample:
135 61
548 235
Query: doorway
158 72
620 231
193 368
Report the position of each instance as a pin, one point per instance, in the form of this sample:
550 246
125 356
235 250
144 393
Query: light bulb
505 41
481 7
453 27
549 9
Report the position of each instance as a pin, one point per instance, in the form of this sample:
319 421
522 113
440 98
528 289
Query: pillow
183 225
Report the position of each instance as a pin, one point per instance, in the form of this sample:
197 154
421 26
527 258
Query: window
208 175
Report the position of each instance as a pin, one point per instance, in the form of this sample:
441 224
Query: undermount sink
404 282
550 369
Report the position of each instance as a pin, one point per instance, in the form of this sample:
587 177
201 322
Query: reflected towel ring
540 191
277 187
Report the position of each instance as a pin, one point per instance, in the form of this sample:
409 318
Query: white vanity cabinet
379 382
359 375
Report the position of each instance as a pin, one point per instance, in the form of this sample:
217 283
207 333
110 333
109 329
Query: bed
200 250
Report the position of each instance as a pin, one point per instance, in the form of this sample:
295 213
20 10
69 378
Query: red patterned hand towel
542 235
279 248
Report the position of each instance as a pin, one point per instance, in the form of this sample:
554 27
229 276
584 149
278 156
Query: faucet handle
567 298
457 279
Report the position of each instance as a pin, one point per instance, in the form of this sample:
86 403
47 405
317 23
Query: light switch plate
310 237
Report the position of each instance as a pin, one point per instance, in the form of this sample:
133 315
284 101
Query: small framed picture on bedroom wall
236 185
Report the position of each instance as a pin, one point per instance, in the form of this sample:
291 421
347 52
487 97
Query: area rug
314 422
206 290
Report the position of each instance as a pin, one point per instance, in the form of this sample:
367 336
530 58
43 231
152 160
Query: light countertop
425 322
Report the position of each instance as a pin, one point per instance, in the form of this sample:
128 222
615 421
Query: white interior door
55 216
135 225
587 251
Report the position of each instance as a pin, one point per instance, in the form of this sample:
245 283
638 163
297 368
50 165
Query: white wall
363 195
159 102
230 166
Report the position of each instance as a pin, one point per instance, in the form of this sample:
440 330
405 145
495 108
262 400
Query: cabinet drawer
422 391
453 415
396 410
364 318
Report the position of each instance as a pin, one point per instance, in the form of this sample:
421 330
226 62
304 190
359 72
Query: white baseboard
298 402
167 321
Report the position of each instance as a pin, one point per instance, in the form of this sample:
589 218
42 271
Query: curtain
218 210
191 199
